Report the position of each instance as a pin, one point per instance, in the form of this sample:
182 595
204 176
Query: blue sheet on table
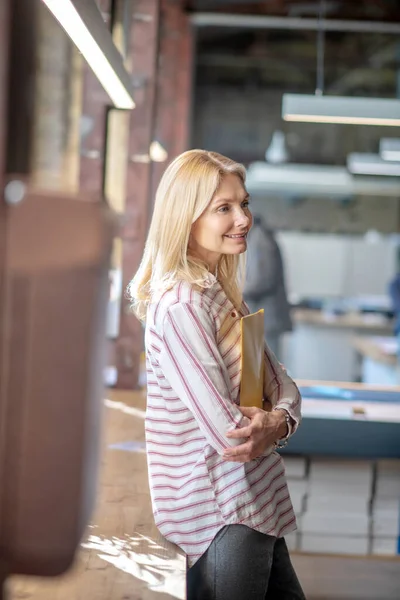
357 438
327 392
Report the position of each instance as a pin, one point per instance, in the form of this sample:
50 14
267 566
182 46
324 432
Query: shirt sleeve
280 389
193 366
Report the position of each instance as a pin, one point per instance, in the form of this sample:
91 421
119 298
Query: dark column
174 84
142 57
93 124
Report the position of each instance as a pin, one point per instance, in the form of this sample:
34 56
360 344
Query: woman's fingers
240 432
249 411
242 453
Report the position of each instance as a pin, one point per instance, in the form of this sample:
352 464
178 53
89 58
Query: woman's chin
238 249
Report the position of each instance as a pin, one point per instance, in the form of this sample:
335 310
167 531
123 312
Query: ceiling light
372 164
157 152
389 149
276 152
340 109
301 180
318 108
83 23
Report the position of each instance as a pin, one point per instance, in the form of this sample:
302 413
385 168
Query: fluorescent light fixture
319 181
372 164
84 24
340 109
299 179
389 148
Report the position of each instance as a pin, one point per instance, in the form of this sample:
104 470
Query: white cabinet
323 265
370 267
315 265
322 353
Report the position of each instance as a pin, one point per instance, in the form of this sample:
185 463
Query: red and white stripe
193 377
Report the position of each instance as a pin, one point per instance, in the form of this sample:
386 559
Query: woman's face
223 226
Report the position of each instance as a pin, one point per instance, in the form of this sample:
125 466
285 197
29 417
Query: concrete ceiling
252 63
382 10
365 63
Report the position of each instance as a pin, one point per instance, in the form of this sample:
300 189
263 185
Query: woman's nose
242 219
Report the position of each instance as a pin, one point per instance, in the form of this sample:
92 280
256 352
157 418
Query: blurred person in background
265 283
218 486
394 294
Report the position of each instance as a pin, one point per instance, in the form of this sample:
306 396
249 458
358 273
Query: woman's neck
210 262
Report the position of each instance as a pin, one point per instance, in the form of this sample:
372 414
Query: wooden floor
124 558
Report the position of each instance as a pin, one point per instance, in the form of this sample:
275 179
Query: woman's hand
265 428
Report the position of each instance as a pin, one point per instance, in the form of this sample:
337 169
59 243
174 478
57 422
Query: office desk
348 420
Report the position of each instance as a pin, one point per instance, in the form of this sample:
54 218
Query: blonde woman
218 488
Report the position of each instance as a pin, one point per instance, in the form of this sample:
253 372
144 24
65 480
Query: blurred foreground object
54 288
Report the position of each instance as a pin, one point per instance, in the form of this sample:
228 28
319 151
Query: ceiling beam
203 19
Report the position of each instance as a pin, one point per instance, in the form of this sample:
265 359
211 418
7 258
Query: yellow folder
252 361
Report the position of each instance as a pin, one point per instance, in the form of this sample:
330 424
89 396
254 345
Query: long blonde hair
185 190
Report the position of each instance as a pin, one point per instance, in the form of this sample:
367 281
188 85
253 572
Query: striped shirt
193 378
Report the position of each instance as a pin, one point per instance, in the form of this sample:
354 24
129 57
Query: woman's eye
223 209
246 204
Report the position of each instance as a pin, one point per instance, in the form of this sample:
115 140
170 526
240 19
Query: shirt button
233 314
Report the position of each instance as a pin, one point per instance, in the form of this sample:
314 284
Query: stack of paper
295 467
292 540
386 517
340 486
337 519
296 475
388 479
386 509
355 474
298 491
334 544
385 546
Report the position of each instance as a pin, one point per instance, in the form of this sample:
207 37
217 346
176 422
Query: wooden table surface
369 346
351 385
351 320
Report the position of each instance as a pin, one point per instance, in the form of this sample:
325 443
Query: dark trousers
244 564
